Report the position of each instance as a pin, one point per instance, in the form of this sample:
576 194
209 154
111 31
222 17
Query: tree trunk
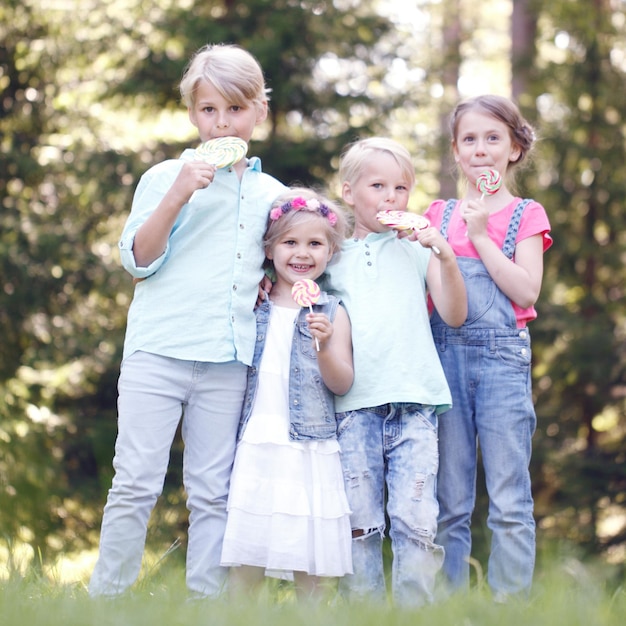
523 33
451 54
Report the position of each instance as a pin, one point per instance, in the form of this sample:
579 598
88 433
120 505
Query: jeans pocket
427 414
517 355
344 419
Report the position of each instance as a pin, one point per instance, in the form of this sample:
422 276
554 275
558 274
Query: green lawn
571 594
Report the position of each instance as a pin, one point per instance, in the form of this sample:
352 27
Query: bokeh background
89 100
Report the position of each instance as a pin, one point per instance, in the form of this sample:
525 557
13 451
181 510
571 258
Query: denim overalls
487 364
311 403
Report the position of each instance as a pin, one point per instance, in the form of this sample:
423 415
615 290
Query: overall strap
508 247
445 219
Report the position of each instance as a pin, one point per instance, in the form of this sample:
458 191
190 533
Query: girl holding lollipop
499 240
287 508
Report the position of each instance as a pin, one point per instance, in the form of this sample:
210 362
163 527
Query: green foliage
78 80
89 101
580 367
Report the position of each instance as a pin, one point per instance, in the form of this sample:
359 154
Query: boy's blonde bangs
360 152
233 71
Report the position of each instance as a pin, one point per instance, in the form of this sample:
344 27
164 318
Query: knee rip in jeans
425 540
418 486
353 479
360 533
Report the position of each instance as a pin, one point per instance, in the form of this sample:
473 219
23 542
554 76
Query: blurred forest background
89 101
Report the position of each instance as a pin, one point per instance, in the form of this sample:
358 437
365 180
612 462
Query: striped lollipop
222 151
306 292
488 182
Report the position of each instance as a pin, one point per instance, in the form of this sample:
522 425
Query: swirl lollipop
306 292
222 151
404 220
488 183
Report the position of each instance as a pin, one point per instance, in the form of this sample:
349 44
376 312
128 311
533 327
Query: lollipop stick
317 343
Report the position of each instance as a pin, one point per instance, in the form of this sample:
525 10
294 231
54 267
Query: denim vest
311 403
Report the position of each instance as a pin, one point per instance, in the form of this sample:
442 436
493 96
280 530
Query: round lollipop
404 220
306 292
488 182
222 151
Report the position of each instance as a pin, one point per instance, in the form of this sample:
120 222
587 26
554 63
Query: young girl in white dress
287 508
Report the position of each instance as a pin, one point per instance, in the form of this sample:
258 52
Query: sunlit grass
568 592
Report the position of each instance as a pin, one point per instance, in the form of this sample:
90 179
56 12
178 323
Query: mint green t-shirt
382 282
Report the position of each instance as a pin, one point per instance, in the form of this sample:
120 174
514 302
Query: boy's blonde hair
233 71
336 228
358 153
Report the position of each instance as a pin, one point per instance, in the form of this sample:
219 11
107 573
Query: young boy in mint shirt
387 421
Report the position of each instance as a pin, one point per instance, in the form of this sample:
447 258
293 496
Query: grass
570 593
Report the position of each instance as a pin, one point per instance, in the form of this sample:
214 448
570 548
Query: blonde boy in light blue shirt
194 235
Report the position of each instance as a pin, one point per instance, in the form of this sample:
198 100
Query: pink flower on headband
299 203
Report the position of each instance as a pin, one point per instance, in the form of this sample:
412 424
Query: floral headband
301 204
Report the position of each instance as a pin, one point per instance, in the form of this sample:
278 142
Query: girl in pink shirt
499 240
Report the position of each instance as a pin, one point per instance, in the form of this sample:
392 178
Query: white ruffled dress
287 507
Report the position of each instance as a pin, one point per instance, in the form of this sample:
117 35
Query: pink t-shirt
534 222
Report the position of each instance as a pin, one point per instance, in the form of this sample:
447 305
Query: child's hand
475 215
265 286
431 238
193 175
404 233
320 326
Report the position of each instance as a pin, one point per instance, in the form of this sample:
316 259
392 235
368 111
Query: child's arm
444 279
151 238
520 280
335 354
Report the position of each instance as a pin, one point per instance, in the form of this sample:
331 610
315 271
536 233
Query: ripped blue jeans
392 447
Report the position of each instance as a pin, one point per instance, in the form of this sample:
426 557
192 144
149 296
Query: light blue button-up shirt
197 300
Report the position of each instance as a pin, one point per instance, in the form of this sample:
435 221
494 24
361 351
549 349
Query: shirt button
241 226
522 334
369 263
238 255
524 351
234 287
